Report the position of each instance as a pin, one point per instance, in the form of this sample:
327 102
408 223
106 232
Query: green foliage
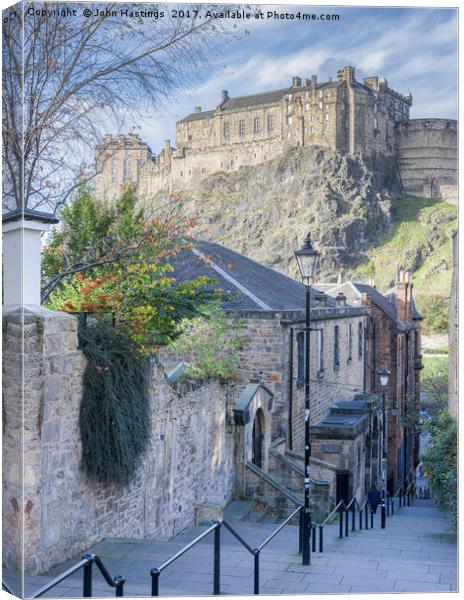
114 413
440 462
117 260
434 309
443 350
434 381
209 344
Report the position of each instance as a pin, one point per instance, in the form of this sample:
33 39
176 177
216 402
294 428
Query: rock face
265 211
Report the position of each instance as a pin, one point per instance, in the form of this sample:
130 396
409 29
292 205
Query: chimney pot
321 300
197 109
340 299
296 82
224 95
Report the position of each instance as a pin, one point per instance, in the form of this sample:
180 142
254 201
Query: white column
22 261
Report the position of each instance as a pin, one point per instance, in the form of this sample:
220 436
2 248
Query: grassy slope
420 240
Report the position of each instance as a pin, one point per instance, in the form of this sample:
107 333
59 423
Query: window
256 125
307 95
320 93
320 105
241 127
226 130
300 339
289 109
312 128
289 120
270 123
336 355
113 169
376 124
360 340
350 342
289 97
320 351
126 167
326 116
190 138
313 117
307 106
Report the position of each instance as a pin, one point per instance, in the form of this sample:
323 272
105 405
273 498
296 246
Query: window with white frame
241 127
270 123
256 125
320 350
226 129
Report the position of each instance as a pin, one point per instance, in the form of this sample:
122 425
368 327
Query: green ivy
114 413
440 462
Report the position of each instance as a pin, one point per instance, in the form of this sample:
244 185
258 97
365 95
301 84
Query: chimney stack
321 300
224 96
296 82
197 109
313 87
340 299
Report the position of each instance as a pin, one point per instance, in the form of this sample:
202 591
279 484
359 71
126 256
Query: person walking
374 498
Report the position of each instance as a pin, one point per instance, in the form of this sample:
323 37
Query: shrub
434 309
209 345
440 462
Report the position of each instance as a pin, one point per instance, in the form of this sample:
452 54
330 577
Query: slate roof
251 285
198 116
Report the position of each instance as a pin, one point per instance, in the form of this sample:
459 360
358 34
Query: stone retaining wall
190 460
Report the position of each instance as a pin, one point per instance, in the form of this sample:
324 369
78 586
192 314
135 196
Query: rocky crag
353 206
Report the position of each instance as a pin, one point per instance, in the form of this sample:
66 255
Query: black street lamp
307 259
384 375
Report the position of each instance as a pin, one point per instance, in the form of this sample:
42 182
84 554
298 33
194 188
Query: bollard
353 519
366 518
347 525
119 582
341 523
313 537
155 573
217 561
383 515
321 541
256 582
372 519
360 519
300 534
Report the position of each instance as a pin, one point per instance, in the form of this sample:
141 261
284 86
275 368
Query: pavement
415 553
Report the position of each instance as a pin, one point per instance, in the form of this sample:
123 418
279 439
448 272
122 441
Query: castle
343 115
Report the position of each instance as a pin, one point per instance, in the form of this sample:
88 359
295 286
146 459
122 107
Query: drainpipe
290 390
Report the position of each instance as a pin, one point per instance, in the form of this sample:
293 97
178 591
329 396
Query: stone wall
190 460
427 157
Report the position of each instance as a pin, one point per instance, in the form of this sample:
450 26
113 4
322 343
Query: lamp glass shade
384 375
306 258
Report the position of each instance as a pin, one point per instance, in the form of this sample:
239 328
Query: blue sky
415 49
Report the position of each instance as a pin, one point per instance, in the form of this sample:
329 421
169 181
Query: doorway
258 437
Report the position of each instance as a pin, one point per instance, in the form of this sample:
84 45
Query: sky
413 48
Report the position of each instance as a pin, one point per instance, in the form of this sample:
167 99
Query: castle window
313 117
126 167
307 106
320 105
226 130
256 125
113 169
290 97
326 116
320 93
190 137
270 123
289 120
336 354
312 129
307 95
241 127
289 109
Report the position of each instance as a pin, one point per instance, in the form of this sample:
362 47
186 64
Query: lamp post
384 375
306 258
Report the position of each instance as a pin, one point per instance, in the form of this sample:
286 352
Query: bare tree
66 75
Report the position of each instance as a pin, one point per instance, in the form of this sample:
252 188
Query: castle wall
427 157
190 461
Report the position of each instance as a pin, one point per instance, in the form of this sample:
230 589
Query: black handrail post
383 516
353 519
119 582
300 538
87 576
313 537
366 517
392 506
155 573
347 525
256 561
217 560
360 519
321 540
341 523
372 519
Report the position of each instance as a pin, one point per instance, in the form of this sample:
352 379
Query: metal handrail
255 552
85 563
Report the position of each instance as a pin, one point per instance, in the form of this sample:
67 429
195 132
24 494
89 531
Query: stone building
346 418
342 114
393 340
